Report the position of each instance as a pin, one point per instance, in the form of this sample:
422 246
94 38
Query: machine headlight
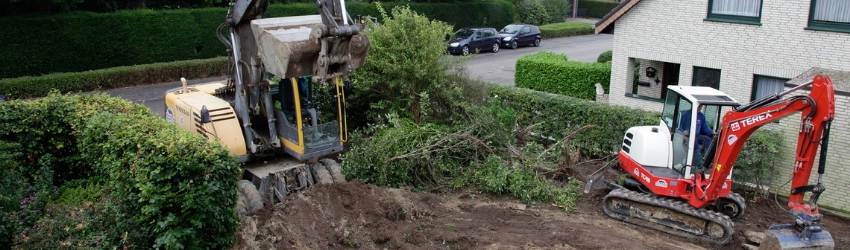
454 44
506 39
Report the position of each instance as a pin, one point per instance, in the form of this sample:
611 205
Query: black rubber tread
321 174
740 201
670 204
334 169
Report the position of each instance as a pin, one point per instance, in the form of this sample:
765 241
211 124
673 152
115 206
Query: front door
669 77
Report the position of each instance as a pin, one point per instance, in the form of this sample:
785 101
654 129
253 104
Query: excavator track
668 215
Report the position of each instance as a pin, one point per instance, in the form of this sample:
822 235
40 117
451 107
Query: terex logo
750 121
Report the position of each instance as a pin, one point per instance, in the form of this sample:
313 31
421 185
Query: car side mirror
205 115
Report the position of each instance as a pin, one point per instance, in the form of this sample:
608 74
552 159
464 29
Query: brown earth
355 215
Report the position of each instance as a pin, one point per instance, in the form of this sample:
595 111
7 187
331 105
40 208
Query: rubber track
669 204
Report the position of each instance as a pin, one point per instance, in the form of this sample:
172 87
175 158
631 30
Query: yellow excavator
268 106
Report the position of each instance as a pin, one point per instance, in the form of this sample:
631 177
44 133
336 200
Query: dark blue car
469 40
516 35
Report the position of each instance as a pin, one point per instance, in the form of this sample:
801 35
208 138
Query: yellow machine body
183 108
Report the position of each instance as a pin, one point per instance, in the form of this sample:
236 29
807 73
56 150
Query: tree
403 65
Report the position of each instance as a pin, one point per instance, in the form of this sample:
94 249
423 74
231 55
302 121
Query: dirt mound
354 215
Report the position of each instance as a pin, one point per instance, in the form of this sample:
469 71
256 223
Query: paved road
497 68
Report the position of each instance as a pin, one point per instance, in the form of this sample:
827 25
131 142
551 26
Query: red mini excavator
681 169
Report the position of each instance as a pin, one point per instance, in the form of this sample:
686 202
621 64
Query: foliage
596 8
553 73
565 29
556 115
404 61
757 162
171 188
605 57
11 177
532 12
477 152
557 10
38 86
77 41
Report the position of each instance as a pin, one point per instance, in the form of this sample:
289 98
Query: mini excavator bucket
790 237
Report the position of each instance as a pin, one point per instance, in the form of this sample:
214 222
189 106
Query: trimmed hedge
553 73
168 188
596 8
77 41
38 86
565 29
559 115
605 57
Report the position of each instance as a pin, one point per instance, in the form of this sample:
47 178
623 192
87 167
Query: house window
739 11
766 86
706 77
830 15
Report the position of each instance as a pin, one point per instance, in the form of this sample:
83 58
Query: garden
436 160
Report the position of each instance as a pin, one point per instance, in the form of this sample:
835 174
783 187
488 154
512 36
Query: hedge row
596 8
167 187
565 29
37 86
558 115
553 73
34 45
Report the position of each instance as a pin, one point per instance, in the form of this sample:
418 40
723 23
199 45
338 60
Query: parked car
469 40
515 35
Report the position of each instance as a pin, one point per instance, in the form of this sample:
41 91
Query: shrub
77 41
757 161
565 29
605 57
558 115
405 77
553 73
37 86
596 8
557 10
532 12
170 188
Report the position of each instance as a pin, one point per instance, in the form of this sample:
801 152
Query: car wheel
537 42
465 50
495 47
514 45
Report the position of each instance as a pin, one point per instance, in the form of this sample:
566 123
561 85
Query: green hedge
37 86
167 187
596 8
553 73
605 57
34 45
565 29
558 115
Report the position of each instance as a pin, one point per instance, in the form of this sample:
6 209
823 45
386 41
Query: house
745 48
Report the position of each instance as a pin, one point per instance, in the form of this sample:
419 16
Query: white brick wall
675 31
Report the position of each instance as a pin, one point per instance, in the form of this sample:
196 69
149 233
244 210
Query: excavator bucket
788 237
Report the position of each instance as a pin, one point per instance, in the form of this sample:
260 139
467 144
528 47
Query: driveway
496 68
499 68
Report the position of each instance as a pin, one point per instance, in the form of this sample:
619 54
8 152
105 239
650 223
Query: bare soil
361 216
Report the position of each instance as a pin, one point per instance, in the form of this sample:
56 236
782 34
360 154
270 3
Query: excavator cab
682 142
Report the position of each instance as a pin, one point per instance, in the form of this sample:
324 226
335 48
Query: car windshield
511 29
463 33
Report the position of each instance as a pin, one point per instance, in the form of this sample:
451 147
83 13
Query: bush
532 12
170 188
557 10
553 73
757 161
605 57
77 41
558 115
37 86
565 29
596 8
